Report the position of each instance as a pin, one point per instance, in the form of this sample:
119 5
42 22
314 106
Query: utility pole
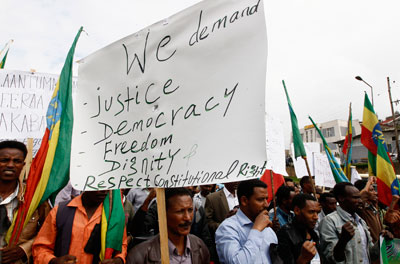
394 121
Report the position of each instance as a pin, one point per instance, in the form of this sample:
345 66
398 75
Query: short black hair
15 145
323 197
172 192
360 184
304 180
288 180
283 193
246 188
340 189
301 199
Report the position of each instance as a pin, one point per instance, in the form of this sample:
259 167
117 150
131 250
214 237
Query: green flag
299 150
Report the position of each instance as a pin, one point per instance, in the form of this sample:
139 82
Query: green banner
390 251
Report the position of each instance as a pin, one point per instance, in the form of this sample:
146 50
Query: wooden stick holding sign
273 193
28 161
162 224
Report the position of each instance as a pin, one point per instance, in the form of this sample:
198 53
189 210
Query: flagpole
273 193
312 180
162 224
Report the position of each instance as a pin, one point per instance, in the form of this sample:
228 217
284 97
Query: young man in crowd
199 198
220 205
12 160
246 236
345 237
284 197
297 240
71 233
183 247
370 214
306 185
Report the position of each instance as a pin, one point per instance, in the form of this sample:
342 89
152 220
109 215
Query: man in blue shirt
284 198
246 236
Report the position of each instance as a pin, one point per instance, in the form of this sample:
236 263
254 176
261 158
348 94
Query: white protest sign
299 163
24 98
275 143
354 175
179 103
323 172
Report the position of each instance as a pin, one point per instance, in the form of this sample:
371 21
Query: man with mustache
246 236
71 233
12 161
298 242
183 247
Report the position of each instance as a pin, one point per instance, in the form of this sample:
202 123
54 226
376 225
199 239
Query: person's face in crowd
352 201
288 202
205 189
296 189
307 188
191 189
11 164
329 205
96 197
231 186
290 184
257 203
309 214
372 194
179 214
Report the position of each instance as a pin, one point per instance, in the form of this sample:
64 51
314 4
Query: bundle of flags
337 171
4 53
348 146
379 160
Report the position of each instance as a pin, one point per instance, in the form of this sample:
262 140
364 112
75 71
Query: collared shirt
199 200
175 258
363 236
238 242
137 198
43 247
232 199
282 216
10 203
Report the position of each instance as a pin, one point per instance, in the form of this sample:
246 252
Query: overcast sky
317 47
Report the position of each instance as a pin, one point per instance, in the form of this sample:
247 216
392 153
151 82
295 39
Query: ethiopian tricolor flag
112 225
49 171
4 53
387 181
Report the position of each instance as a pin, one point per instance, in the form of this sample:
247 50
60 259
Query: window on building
389 146
306 136
328 132
332 146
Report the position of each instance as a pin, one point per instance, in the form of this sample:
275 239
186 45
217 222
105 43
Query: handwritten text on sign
178 103
24 98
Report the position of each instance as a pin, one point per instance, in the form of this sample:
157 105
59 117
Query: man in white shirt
199 199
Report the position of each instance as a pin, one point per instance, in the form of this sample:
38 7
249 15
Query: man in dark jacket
183 247
298 242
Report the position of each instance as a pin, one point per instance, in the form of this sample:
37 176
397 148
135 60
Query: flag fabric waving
299 150
371 133
348 146
112 225
50 168
4 53
337 171
278 181
387 181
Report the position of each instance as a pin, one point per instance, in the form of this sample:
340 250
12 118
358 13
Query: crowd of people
205 224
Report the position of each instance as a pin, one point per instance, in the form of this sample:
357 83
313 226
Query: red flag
278 181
